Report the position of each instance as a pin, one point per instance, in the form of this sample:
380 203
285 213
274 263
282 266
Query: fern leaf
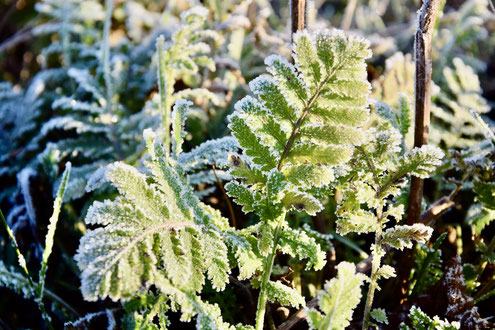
300 201
278 292
156 228
421 162
316 176
328 80
298 244
359 221
337 302
400 237
419 320
379 315
247 255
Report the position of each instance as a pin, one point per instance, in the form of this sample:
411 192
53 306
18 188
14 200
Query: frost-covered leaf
359 221
479 217
421 162
327 80
300 201
339 299
156 228
379 315
9 278
279 292
298 244
485 193
385 271
419 321
400 237
245 250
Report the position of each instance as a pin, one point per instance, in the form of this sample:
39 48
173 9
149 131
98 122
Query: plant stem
260 313
422 98
298 15
375 263
348 14
422 93
66 35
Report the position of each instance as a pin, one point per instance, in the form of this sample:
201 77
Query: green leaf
359 221
339 299
420 321
304 153
379 315
316 176
479 217
155 232
301 201
243 195
485 193
298 244
9 278
278 292
51 229
251 143
400 237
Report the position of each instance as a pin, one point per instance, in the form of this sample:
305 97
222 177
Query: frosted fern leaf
337 302
155 229
313 108
400 237
303 119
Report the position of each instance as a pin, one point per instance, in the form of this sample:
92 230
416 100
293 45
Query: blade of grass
51 230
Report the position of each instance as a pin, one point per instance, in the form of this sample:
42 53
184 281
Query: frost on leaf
400 237
278 292
461 307
16 281
339 299
155 230
419 320
379 315
303 120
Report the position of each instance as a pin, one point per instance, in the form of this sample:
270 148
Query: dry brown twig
422 57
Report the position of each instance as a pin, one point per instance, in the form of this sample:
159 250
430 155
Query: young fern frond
184 55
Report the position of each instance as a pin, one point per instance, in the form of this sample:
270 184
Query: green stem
375 265
260 314
22 263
